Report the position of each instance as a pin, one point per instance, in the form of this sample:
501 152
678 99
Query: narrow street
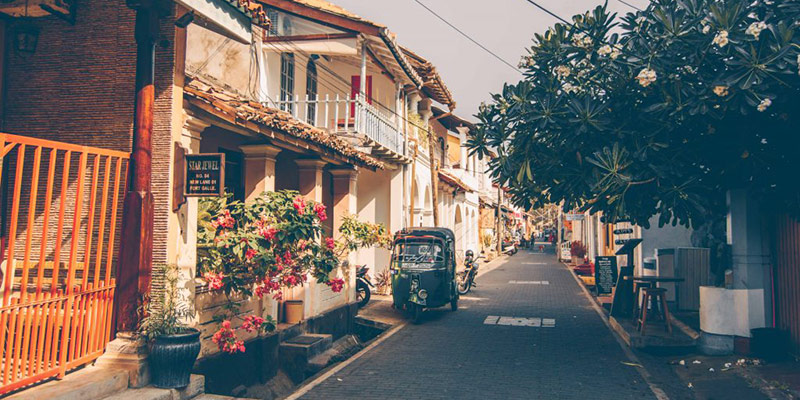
568 354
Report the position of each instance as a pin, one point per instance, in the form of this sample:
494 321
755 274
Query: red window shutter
355 86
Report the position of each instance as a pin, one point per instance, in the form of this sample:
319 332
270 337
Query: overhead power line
486 49
630 5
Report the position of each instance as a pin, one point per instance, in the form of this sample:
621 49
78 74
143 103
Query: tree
659 114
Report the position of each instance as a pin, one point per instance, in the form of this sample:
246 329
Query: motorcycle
363 286
466 278
509 247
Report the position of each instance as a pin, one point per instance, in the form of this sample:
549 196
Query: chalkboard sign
605 274
205 175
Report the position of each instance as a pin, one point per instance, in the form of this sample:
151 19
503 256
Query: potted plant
578 251
173 345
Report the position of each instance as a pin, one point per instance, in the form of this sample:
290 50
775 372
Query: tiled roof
433 84
453 181
252 9
244 112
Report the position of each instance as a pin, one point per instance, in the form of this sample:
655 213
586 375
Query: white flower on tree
764 104
755 29
721 39
646 77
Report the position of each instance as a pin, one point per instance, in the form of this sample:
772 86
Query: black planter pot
172 358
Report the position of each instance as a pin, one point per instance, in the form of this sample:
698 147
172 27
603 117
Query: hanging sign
575 217
205 175
623 231
605 274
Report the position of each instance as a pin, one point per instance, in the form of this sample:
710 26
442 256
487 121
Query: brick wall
79 88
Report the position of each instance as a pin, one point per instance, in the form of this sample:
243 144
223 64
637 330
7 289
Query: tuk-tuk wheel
454 304
416 313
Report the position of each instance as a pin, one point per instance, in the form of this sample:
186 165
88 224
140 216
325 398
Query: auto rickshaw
423 270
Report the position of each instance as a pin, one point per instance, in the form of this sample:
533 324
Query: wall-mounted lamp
26 37
185 20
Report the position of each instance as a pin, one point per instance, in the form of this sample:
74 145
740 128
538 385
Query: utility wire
467 36
630 5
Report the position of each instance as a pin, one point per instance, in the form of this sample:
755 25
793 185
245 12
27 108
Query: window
272 14
287 81
311 91
234 173
442 152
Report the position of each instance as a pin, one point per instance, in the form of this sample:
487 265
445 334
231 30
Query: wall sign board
205 175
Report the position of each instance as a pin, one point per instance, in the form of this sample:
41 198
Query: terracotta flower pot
294 311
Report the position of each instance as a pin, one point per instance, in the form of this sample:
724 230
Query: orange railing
61 210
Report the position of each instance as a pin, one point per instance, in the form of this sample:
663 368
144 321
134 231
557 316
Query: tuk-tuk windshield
421 253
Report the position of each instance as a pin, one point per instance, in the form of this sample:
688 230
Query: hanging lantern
26 37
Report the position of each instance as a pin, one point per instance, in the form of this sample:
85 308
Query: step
90 383
196 388
289 331
341 349
295 353
307 345
219 397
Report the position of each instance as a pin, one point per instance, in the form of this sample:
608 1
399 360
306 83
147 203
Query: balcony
350 117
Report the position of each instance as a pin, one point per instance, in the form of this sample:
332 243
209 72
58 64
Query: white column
363 81
191 134
345 202
749 246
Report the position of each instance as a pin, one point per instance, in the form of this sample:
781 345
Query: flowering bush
577 249
659 112
263 247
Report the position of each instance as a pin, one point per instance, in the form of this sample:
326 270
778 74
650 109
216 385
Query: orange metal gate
61 211
787 278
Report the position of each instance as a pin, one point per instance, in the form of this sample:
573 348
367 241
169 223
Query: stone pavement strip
551 344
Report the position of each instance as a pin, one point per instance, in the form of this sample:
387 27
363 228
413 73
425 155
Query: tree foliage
658 112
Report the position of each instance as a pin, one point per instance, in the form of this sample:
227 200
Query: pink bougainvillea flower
252 322
226 339
330 243
336 284
319 208
224 220
269 233
250 253
299 205
214 280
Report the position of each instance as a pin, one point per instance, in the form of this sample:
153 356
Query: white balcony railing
344 115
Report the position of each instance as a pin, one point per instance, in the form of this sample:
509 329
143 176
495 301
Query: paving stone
468 354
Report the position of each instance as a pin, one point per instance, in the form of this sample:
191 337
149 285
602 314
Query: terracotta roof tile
243 111
254 10
432 81
453 181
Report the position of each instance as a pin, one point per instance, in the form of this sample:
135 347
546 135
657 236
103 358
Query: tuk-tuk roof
443 233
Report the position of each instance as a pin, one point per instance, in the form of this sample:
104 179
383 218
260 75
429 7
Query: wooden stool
637 287
658 297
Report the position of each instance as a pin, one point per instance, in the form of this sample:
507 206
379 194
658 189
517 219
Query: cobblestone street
555 346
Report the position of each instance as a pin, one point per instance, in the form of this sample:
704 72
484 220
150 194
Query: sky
505 27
